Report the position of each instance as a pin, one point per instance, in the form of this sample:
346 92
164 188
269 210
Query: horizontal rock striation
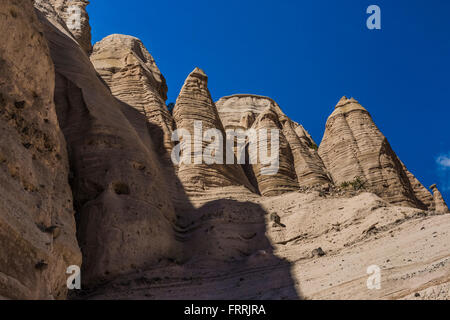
37 226
354 147
134 78
194 104
240 111
275 177
125 217
439 203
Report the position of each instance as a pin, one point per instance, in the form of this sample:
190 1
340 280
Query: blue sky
307 54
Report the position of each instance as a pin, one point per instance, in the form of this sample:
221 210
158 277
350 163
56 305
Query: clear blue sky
307 54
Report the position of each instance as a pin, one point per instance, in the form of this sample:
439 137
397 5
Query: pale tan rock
439 202
239 262
240 111
194 103
233 110
308 165
134 78
70 11
281 179
125 216
422 194
35 196
353 147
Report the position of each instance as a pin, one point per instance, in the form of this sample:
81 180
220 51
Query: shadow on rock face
227 256
140 235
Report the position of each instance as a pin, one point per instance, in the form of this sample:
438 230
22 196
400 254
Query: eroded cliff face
76 18
353 147
194 105
125 217
440 205
135 80
273 177
37 225
239 112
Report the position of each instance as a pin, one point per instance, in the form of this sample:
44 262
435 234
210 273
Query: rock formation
439 203
37 225
194 104
122 209
354 148
240 112
85 164
74 14
134 78
233 110
274 177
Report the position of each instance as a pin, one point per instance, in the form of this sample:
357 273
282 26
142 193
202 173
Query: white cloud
444 161
443 171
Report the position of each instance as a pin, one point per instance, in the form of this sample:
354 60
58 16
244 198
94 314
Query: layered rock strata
276 175
37 226
131 73
134 78
240 112
354 149
439 203
125 216
195 106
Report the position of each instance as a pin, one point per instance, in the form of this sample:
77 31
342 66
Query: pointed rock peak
342 102
345 101
346 105
439 203
199 73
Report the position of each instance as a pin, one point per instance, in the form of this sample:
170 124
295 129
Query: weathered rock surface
194 104
74 14
410 246
439 203
308 165
125 216
240 111
233 110
274 177
134 78
353 147
37 226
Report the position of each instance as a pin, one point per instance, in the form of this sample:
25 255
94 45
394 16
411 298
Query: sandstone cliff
75 16
195 104
37 225
240 112
122 210
274 177
353 147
